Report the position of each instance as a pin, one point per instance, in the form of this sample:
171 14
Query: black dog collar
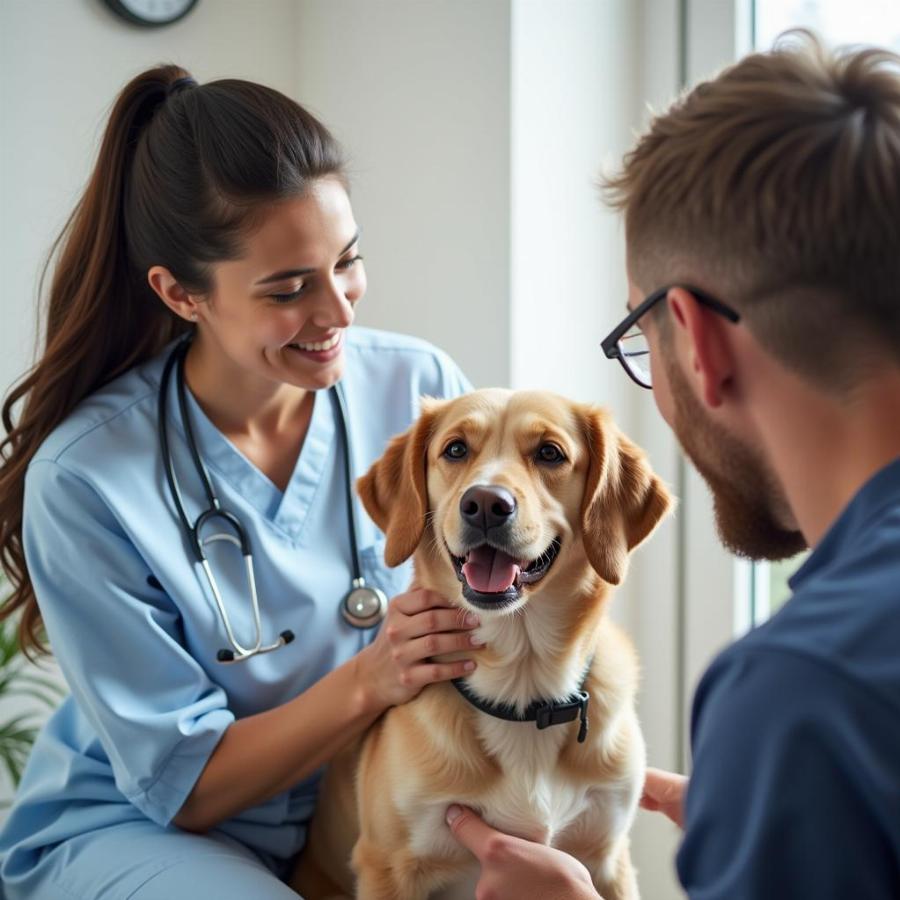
543 713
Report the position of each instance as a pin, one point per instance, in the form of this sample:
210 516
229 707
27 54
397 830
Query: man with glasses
762 217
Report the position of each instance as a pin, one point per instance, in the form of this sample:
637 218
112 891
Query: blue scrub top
796 730
130 616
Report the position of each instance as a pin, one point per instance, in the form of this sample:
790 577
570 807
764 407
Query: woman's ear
168 289
623 499
394 491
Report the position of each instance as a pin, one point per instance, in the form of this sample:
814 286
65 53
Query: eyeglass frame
610 344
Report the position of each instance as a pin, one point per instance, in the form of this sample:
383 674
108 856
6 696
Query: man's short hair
778 182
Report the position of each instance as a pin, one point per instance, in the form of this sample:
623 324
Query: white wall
573 90
418 92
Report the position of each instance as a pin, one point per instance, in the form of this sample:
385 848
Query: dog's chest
533 798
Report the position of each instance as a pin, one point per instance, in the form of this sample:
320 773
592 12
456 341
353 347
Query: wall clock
151 13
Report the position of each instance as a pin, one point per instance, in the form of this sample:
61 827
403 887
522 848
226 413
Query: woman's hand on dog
419 625
513 868
664 792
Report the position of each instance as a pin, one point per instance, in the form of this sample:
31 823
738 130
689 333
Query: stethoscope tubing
215 511
337 392
239 536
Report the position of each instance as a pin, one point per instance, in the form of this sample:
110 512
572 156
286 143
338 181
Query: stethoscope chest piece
364 606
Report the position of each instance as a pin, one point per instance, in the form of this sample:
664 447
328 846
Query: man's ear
394 491
623 499
711 363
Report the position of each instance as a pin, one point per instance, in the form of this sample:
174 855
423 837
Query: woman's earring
194 316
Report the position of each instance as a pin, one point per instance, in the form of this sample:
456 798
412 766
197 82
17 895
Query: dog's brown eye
456 450
550 453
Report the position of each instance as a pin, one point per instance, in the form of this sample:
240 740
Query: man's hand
513 868
664 792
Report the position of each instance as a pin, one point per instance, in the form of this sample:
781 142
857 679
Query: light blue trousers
141 861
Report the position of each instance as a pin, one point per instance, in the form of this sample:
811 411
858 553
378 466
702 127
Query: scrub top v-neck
285 509
129 613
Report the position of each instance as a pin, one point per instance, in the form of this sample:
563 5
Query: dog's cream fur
383 801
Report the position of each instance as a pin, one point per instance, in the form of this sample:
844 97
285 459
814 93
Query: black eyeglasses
628 344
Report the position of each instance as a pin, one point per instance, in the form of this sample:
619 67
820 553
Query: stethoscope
363 607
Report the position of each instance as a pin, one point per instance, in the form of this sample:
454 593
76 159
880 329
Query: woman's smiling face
279 312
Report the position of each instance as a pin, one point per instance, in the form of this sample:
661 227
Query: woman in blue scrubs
219 211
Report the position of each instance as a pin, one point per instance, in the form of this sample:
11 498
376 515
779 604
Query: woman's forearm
262 755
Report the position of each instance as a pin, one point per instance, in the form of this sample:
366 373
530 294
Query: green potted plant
27 692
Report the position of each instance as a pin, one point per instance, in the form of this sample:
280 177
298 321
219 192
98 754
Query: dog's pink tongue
489 571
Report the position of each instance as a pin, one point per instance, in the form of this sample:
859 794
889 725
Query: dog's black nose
487 506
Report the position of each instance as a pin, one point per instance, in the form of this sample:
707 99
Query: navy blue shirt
796 730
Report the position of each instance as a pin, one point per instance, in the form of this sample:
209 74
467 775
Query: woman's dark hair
183 173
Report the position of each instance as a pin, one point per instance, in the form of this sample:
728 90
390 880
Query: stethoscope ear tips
287 636
225 656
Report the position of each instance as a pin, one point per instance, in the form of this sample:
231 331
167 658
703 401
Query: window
836 22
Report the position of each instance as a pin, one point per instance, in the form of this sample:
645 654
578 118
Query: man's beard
745 491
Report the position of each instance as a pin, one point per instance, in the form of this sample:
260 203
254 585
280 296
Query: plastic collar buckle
551 713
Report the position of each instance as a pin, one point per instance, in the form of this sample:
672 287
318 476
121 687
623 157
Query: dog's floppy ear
394 490
623 499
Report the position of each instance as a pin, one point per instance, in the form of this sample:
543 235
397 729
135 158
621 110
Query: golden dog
522 507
